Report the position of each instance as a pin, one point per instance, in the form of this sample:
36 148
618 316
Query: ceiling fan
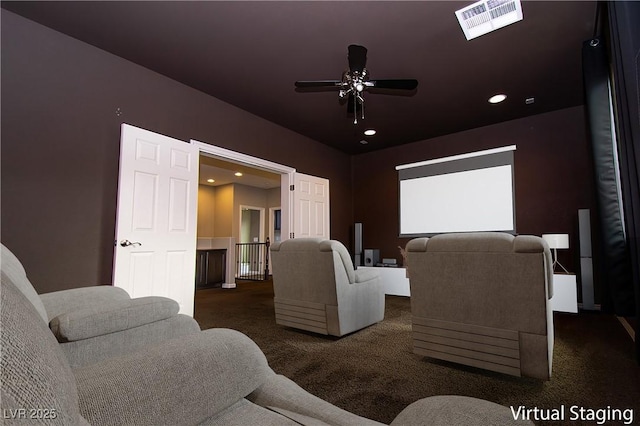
355 81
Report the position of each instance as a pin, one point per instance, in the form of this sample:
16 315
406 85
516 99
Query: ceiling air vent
488 15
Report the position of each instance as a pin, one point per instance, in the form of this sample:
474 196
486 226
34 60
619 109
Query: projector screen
464 193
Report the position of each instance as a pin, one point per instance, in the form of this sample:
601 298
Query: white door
155 246
311 207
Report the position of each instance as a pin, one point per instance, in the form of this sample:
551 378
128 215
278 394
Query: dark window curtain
615 269
624 46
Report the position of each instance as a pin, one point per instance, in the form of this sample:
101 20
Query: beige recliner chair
482 299
317 289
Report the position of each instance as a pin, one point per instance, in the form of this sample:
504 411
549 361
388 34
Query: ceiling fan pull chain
355 110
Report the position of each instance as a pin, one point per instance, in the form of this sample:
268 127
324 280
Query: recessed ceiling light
369 132
238 174
363 142
495 99
529 101
211 180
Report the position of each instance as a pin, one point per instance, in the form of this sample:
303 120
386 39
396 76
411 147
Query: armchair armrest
111 317
364 275
184 381
60 302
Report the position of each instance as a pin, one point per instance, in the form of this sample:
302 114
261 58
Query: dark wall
62 105
553 177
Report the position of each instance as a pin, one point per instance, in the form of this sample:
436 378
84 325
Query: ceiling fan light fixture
355 81
370 132
496 99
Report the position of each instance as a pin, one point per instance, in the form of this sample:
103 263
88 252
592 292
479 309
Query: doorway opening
251 224
230 200
252 250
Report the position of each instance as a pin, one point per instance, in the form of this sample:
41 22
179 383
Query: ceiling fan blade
357 57
319 83
401 84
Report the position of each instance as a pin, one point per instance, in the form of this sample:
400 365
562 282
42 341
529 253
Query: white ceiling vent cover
488 15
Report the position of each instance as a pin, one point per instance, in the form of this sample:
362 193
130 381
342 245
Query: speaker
586 262
357 242
371 257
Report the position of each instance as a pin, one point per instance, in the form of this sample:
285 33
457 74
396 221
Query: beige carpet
374 373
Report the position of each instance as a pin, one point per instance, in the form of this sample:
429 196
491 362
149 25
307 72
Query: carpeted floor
374 373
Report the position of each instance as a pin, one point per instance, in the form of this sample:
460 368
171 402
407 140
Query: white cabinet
394 280
223 243
565 293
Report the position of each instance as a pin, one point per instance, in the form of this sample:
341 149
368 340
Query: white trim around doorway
287 177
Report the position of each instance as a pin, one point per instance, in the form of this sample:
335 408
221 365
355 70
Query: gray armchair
95 323
317 289
482 299
212 377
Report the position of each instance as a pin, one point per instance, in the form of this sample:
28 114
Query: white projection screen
463 193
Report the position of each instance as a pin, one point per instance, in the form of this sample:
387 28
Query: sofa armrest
284 396
184 381
60 302
81 353
112 317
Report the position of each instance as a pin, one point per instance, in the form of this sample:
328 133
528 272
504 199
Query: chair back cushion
304 269
36 378
486 297
13 271
488 278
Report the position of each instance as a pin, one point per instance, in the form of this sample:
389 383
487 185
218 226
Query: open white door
311 207
155 246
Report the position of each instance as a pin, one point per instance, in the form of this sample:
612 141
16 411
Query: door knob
127 243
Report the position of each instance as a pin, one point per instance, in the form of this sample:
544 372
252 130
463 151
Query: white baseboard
229 285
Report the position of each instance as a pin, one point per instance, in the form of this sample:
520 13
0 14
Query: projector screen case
465 193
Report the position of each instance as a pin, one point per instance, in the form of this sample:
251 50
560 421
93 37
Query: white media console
565 292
